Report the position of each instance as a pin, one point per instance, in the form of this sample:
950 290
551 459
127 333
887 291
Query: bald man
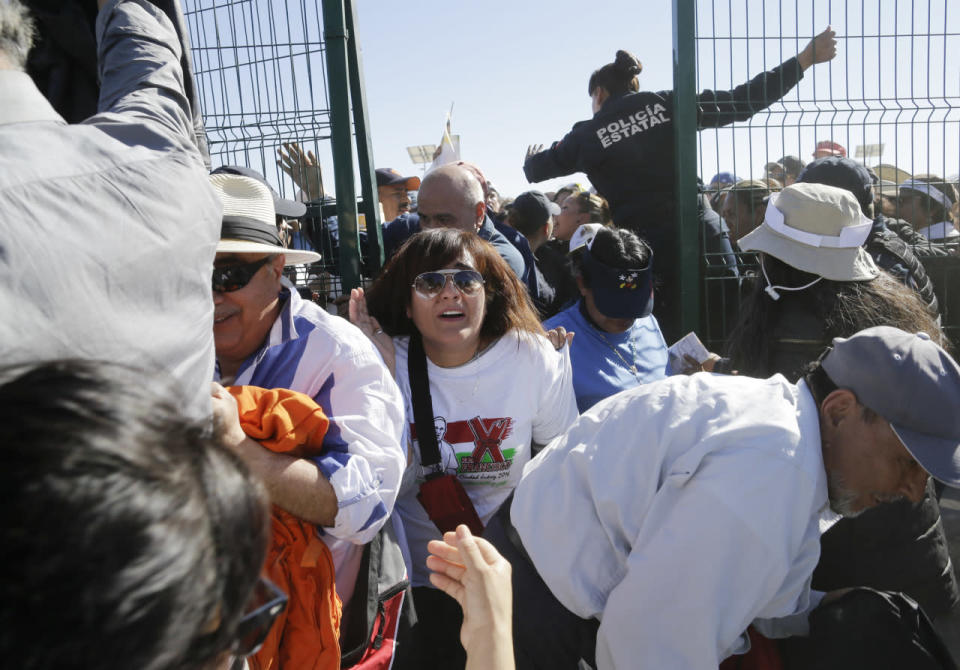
451 197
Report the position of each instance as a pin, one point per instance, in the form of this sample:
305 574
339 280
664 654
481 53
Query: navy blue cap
534 207
620 293
843 173
724 178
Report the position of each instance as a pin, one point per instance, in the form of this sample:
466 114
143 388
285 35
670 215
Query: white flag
449 149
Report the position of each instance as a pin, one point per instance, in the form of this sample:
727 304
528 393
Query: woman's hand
559 336
302 168
821 49
691 365
226 418
470 570
371 328
533 150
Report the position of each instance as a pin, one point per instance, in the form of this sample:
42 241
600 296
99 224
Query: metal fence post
335 36
685 170
361 121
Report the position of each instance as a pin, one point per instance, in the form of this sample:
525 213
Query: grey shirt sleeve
141 80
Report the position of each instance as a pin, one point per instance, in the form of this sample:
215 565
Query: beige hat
817 229
249 224
888 172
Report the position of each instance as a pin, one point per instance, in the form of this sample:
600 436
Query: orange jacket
306 635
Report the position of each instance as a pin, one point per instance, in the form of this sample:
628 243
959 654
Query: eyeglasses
429 285
229 278
265 605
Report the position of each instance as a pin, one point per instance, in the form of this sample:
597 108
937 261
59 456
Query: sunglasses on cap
429 285
265 605
234 277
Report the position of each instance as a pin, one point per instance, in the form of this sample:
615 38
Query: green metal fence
270 72
891 97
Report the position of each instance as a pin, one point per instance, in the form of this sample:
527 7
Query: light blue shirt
601 361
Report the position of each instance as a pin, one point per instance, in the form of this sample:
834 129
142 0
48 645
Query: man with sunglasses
267 336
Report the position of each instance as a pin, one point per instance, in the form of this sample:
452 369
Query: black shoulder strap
422 404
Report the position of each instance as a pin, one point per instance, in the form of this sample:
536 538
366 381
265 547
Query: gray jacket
108 228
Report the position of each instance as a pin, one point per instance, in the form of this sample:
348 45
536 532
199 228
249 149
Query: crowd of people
488 456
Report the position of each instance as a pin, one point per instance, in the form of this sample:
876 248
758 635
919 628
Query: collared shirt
677 513
601 361
109 227
330 360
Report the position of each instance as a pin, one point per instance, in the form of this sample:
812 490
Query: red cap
828 148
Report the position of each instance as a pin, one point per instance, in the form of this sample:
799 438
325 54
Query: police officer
626 149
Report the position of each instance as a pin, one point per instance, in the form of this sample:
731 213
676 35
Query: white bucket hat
817 229
249 222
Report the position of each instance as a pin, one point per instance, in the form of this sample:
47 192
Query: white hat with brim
583 235
291 256
817 229
249 221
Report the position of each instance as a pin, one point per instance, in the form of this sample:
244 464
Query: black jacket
894 254
626 149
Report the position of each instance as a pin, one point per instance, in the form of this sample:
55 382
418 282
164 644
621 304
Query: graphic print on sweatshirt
472 449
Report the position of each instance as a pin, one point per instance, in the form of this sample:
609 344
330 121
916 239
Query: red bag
763 655
442 495
448 505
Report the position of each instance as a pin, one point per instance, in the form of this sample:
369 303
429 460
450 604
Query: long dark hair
617 77
616 248
508 305
840 308
134 539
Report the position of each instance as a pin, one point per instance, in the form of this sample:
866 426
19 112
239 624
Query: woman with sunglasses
496 385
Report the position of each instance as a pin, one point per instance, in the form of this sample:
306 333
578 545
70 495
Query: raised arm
719 108
141 79
559 160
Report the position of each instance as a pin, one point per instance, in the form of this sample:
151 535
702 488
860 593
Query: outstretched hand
821 49
369 326
533 150
559 336
303 168
470 570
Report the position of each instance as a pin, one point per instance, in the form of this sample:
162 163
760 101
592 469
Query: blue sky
516 73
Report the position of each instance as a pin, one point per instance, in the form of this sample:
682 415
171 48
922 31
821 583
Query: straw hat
249 222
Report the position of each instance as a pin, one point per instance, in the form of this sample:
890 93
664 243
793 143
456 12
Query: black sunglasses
229 278
429 285
265 605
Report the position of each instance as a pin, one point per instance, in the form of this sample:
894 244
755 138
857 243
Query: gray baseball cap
912 383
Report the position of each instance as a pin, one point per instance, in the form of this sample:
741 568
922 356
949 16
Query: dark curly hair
133 538
508 306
